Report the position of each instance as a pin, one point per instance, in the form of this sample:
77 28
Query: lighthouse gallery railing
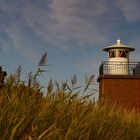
132 68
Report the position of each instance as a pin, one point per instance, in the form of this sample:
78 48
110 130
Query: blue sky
73 32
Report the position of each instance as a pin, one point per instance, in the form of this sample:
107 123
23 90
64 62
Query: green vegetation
61 115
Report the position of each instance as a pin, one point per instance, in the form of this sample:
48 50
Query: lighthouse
119 78
118 58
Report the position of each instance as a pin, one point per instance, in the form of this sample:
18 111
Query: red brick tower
119 79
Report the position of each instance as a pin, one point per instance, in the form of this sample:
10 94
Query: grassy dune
61 115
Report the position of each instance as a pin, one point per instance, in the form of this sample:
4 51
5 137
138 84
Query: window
111 54
122 53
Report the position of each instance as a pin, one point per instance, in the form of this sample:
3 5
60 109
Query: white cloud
67 20
130 9
17 41
64 22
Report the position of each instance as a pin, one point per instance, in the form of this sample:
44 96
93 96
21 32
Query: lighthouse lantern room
118 58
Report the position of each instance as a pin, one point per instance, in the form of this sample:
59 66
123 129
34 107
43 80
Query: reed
60 115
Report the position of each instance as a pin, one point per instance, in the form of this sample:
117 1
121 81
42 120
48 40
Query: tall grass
61 115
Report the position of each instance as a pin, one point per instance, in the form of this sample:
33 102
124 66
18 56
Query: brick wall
123 91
